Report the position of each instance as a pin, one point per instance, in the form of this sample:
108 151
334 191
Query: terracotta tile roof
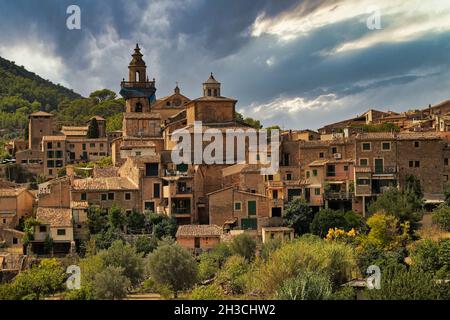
104 184
74 131
192 230
318 163
54 138
10 192
105 172
375 136
418 136
41 114
55 217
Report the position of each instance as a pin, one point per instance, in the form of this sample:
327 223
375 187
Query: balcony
181 210
338 195
384 170
142 85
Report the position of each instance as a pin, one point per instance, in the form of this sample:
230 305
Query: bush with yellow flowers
341 235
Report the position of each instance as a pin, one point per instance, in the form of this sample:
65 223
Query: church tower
211 88
139 94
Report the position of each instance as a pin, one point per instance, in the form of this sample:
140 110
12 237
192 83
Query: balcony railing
340 195
184 190
181 210
384 170
145 85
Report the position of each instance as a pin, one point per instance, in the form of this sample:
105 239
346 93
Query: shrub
209 292
232 276
306 285
244 246
441 216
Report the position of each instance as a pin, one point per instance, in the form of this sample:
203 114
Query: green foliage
269 247
36 283
105 238
111 284
232 276
370 254
28 229
250 121
382 127
135 221
244 246
145 244
103 95
327 219
211 262
124 256
308 253
403 284
209 292
307 285
114 123
93 130
163 226
172 266
116 217
298 215
432 256
405 205
97 219
386 232
441 216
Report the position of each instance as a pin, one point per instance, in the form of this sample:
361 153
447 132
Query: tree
211 262
124 256
135 221
173 266
307 285
232 276
441 216
116 217
327 219
39 281
93 130
111 284
402 204
97 219
425 256
298 215
244 246
385 232
103 95
145 244
163 226
208 292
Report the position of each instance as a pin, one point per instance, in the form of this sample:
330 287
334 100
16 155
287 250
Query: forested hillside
23 92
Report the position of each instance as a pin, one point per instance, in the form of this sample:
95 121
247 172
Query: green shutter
251 208
249 223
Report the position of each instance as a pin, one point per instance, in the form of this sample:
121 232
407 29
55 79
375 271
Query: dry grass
431 231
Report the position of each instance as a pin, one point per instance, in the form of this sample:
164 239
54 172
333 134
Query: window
138 153
286 159
417 164
50 172
446 162
138 107
363 182
49 145
101 145
151 169
321 155
288 176
83 196
315 172
317 191
411 163
50 164
127 196
308 174
182 167
59 154
366 146
251 207
416 144
331 170
274 194
111 196
84 146
49 154
61 232
59 163
58 145
385 146
363 162
249 224
346 168
42 229
104 197
4 221
156 190
92 145
149 206
333 150
15 241
237 206
270 177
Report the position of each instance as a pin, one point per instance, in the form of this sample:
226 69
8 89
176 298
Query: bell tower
211 87
139 94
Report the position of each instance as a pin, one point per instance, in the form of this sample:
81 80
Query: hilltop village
342 166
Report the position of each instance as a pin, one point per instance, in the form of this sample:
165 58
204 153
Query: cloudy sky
299 64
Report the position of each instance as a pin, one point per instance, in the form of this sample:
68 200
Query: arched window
138 76
138 107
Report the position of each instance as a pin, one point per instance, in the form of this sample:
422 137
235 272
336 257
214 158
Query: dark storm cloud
185 40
